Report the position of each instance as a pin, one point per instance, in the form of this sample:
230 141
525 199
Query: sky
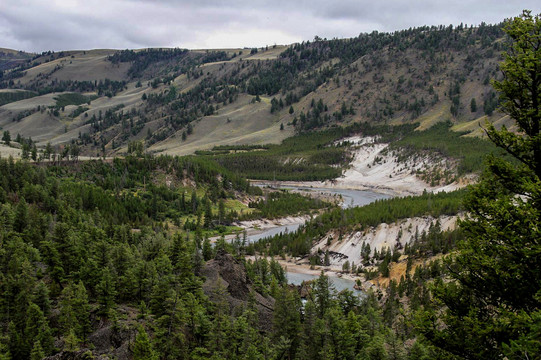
41 25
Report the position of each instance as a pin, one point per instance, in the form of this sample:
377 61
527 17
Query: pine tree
208 252
37 328
16 346
221 211
323 291
37 351
41 298
286 318
81 308
71 341
473 105
106 292
75 310
21 216
6 138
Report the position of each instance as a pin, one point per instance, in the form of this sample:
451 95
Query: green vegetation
320 156
491 306
141 60
85 246
282 203
63 100
347 68
115 252
359 218
309 156
469 151
9 97
78 111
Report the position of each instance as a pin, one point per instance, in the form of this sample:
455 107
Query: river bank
299 270
376 169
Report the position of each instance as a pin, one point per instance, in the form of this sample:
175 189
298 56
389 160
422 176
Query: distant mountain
179 101
11 58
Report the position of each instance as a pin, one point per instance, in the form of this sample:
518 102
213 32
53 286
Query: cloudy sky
39 25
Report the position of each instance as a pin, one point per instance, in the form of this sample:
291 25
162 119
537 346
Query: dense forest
90 254
81 242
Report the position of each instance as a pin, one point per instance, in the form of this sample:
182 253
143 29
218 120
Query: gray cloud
36 25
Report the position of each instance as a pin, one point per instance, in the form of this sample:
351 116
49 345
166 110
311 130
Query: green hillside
179 101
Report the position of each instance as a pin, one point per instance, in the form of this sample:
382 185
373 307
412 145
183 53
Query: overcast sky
39 25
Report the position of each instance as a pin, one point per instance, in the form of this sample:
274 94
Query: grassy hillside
179 101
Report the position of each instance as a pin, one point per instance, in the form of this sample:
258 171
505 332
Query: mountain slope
179 101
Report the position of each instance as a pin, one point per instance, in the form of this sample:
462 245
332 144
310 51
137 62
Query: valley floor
371 169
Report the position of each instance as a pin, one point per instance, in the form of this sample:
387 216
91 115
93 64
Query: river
273 231
349 198
339 284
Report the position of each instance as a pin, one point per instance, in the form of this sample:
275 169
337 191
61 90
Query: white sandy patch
383 236
373 169
271 223
295 265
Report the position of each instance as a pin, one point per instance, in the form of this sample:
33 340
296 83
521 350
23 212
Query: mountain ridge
168 97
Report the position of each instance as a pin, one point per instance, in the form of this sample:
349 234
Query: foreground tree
492 308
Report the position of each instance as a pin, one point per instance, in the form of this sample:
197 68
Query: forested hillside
87 246
180 101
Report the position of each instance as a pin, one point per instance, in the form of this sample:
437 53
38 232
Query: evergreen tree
75 310
473 105
6 138
323 291
106 292
37 329
41 298
48 151
287 321
34 152
21 216
16 346
71 341
221 211
208 252
37 351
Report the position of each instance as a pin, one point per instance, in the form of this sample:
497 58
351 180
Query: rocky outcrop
107 342
110 337
224 272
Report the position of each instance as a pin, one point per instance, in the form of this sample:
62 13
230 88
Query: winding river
348 198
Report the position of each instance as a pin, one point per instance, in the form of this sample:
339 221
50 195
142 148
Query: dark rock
110 337
224 270
304 290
